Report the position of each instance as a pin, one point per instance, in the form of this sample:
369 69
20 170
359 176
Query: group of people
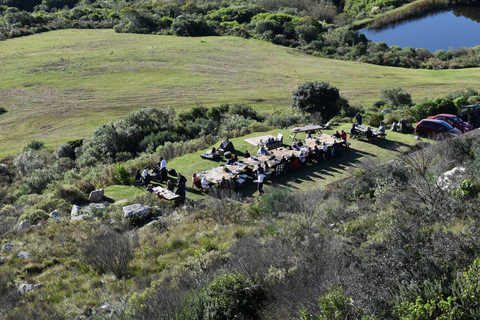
160 171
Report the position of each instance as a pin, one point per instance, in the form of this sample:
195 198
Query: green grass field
60 85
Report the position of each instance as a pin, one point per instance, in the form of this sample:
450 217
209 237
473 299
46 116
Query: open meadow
60 85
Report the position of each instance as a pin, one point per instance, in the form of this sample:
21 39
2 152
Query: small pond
454 28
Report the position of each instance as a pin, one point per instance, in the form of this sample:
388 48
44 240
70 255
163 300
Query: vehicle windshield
456 120
448 126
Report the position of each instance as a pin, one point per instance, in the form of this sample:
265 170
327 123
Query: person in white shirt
260 178
145 172
163 169
262 150
381 129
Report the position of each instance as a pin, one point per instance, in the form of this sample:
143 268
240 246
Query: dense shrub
34 215
71 194
232 295
317 97
396 97
373 118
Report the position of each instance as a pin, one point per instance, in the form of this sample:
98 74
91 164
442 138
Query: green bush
35 145
233 295
34 215
373 118
395 97
122 174
71 194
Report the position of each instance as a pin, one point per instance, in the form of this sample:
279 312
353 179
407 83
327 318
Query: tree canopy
317 97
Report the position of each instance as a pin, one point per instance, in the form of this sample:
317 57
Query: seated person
224 143
150 188
223 184
369 134
353 131
247 154
138 176
381 129
232 160
299 143
212 152
283 160
337 135
156 170
205 184
295 146
266 167
269 140
343 136
170 186
262 150
302 157
260 169
196 182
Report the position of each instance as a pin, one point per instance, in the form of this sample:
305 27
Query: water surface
451 29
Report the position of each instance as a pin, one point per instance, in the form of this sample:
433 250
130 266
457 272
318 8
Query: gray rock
24 255
25 224
2 260
54 214
106 306
156 211
8 247
81 217
96 195
385 111
75 210
24 288
135 210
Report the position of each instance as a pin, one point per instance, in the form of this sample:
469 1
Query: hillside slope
87 77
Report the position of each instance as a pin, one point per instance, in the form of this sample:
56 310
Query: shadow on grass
391 145
316 172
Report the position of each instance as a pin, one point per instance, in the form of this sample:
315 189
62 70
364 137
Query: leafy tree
396 97
317 97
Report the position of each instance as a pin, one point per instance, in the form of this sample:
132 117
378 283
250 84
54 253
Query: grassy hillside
60 85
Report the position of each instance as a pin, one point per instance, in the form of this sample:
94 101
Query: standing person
163 169
260 183
358 117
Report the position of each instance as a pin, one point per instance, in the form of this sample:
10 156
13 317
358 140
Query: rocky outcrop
25 224
135 210
96 195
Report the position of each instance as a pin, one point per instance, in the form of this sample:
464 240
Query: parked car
454 121
471 114
429 127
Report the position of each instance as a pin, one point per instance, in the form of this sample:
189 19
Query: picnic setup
233 169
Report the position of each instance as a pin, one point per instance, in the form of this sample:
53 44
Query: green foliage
65 150
232 295
122 174
373 118
430 108
317 97
70 194
469 188
190 25
335 305
395 97
216 113
34 215
286 120
445 298
35 145
2 110
245 110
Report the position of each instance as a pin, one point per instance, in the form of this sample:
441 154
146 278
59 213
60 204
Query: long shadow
391 145
310 172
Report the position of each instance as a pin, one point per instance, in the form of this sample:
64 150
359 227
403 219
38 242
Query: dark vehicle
454 121
471 114
429 127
